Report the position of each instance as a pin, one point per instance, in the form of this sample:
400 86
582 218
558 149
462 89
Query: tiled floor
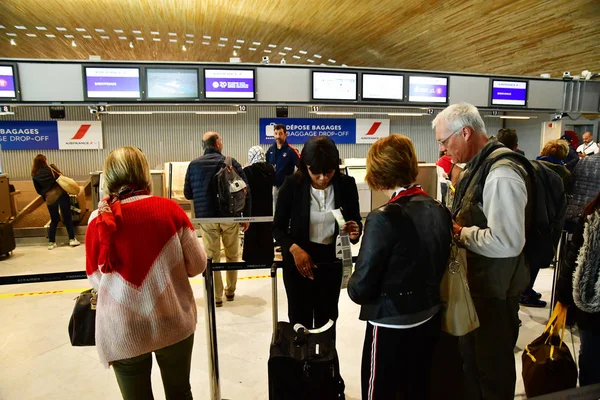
38 362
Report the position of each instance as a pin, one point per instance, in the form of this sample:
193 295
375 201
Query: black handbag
82 325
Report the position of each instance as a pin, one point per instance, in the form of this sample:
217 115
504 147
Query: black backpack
231 191
547 205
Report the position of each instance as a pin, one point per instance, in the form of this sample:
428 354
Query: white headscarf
256 154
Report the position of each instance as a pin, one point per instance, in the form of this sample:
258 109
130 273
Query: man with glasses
489 221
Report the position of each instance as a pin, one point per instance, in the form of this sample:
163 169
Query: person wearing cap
588 147
572 158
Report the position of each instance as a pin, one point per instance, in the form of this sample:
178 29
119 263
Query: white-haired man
489 221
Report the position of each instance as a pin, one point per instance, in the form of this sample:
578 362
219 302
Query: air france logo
3 83
83 129
373 128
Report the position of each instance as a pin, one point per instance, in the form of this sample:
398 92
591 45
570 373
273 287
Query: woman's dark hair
39 161
321 154
592 206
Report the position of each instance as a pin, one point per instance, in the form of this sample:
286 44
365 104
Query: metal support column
211 333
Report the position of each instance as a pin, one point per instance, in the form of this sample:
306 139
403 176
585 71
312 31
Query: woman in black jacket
307 231
403 255
258 240
44 179
579 287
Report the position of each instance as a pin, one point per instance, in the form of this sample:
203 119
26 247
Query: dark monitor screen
112 83
171 83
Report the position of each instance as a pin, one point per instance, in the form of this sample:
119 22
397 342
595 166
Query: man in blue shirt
283 157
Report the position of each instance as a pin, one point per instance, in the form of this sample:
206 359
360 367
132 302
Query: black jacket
292 214
44 180
199 185
402 258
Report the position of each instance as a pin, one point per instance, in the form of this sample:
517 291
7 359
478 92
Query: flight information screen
8 88
509 93
428 89
382 87
229 83
171 83
112 83
334 86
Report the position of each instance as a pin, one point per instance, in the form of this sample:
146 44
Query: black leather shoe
532 302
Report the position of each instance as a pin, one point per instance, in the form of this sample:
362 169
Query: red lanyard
408 192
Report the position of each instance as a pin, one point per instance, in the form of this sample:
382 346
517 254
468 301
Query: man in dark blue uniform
283 157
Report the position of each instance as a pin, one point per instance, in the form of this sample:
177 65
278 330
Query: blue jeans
589 354
64 202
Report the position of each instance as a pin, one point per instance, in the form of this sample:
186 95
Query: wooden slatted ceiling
522 37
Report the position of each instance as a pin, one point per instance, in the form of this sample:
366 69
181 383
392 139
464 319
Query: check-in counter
158 185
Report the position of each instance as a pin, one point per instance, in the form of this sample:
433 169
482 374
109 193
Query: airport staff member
283 157
589 147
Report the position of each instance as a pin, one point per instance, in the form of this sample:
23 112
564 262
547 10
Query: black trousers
314 302
488 352
396 363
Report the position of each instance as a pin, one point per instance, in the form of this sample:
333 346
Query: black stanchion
211 333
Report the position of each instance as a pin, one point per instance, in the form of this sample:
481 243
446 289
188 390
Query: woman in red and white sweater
140 251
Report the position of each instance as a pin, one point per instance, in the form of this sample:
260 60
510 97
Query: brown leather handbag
53 194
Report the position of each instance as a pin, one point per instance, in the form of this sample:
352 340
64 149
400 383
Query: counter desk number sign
5 109
242 108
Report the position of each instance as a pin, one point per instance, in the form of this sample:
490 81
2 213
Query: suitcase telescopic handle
274 296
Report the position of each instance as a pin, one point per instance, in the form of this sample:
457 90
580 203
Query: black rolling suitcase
7 238
302 365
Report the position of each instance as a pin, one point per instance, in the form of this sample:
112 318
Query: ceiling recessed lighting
155 33
189 41
323 64
131 44
331 61
50 35
303 52
297 57
156 39
80 29
123 37
221 44
205 43
11 34
317 56
183 48
224 39
139 38
256 43
86 36
235 53
237 47
60 28
240 41
252 48
31 35
39 28
172 34
73 43
20 27
267 51
69 36
173 40
272 46
104 37
100 30
344 65
137 32
310 61
118 30
2 27
287 48
189 35
282 54
12 42
206 37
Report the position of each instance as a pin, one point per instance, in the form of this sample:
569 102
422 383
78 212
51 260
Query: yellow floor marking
63 291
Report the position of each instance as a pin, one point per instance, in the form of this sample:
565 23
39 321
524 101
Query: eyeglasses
445 140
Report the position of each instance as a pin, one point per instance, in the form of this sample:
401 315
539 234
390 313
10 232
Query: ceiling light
20 27
240 41
7 113
184 48
297 57
131 44
118 30
39 28
252 48
205 43
272 46
173 40
206 37
11 34
127 112
267 51
221 44
137 32
80 29
123 37
73 43
107 37
12 42
69 36
282 54
189 41
331 61
235 53
224 39
406 114
318 56
2 27
31 35
155 33
52 36
137 38
287 48
156 39
256 43
172 34
216 112
332 113
514 117
189 35
303 52
310 61
237 47
100 30
60 28
84 36
344 65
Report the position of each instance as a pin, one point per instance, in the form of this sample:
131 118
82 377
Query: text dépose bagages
7 238
302 365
